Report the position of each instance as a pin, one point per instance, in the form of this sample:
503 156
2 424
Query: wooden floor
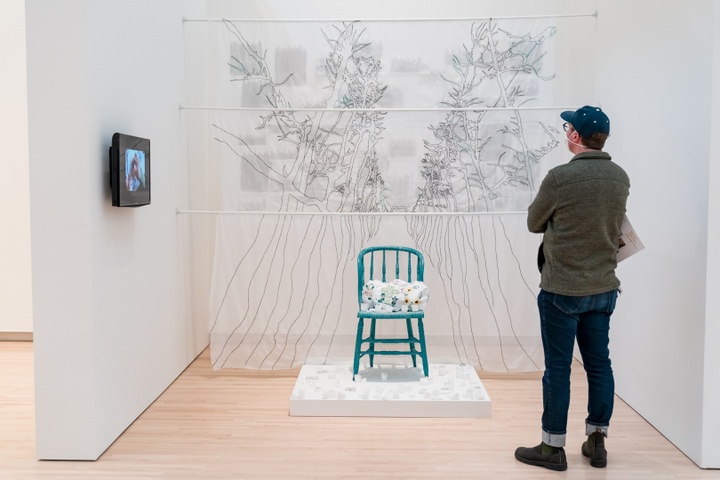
235 424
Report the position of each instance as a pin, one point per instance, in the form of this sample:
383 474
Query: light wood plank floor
235 424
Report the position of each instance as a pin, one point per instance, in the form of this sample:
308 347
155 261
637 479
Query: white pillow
396 296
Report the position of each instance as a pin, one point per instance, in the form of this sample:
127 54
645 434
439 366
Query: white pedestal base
389 391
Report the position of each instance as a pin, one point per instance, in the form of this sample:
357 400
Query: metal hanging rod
449 19
343 214
325 109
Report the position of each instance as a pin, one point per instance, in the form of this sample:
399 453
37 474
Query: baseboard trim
16 337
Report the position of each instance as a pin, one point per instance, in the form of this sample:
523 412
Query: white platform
389 391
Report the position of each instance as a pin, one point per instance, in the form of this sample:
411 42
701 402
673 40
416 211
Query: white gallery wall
657 83
15 287
112 324
113 321
711 380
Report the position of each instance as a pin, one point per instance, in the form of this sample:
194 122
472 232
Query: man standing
579 208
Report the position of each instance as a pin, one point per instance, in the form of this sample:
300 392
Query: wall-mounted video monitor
130 171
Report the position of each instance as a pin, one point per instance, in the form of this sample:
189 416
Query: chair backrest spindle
409 268
384 269
397 264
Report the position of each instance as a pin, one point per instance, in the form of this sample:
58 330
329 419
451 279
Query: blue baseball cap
587 120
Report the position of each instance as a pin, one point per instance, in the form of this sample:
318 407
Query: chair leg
358 346
372 342
413 351
423 354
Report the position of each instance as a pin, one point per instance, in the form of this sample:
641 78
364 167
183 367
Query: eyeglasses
566 126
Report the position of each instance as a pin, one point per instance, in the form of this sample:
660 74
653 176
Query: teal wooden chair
381 263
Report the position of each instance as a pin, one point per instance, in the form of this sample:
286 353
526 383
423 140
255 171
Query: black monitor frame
130 178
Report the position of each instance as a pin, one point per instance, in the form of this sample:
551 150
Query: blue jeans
562 320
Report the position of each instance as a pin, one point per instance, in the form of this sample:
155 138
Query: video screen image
134 170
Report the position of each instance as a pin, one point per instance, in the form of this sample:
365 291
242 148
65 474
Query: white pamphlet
630 243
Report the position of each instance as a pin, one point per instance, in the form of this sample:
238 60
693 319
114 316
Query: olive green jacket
580 208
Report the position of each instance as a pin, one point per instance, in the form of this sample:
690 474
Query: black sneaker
555 460
594 449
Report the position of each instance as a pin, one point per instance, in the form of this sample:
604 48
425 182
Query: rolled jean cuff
590 429
553 439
